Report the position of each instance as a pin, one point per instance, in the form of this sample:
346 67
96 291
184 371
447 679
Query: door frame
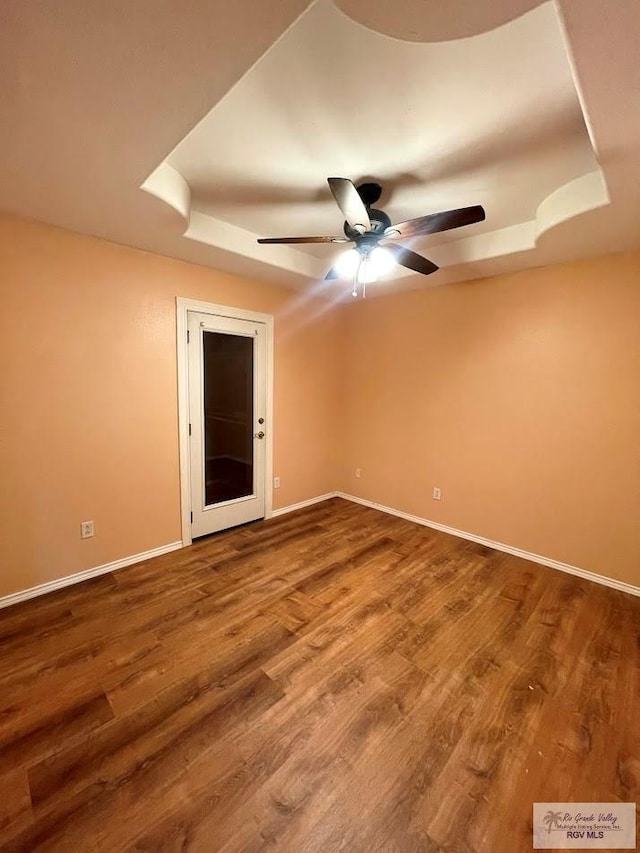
182 307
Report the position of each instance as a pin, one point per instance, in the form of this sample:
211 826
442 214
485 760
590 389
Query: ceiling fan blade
331 274
303 240
411 260
350 203
436 222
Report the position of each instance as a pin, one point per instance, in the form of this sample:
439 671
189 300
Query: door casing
182 307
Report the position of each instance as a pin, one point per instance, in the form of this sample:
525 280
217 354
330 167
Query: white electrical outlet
437 494
87 529
358 473
276 482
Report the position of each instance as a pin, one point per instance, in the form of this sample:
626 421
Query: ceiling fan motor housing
379 222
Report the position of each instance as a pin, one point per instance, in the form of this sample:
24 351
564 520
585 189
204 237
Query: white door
227 421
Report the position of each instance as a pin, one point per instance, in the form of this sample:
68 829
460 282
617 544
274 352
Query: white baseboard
302 504
498 546
50 586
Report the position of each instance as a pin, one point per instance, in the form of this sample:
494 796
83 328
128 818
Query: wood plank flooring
332 680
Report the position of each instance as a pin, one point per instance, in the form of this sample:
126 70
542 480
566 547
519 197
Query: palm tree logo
552 819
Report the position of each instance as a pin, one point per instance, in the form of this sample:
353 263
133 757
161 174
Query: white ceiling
233 115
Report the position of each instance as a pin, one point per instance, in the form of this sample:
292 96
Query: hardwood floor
334 679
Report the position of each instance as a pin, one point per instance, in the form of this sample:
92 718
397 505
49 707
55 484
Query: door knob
258 434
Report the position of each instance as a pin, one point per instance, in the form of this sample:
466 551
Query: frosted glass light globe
366 272
347 263
381 260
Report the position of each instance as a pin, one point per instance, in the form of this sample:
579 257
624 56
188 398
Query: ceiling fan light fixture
347 263
381 260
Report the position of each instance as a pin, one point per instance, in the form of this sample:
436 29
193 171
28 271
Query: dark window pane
228 416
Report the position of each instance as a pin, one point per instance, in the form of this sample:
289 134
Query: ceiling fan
376 249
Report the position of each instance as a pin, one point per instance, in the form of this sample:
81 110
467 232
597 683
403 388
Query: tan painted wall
88 426
519 396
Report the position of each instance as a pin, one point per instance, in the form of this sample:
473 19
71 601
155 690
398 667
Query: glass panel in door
228 416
